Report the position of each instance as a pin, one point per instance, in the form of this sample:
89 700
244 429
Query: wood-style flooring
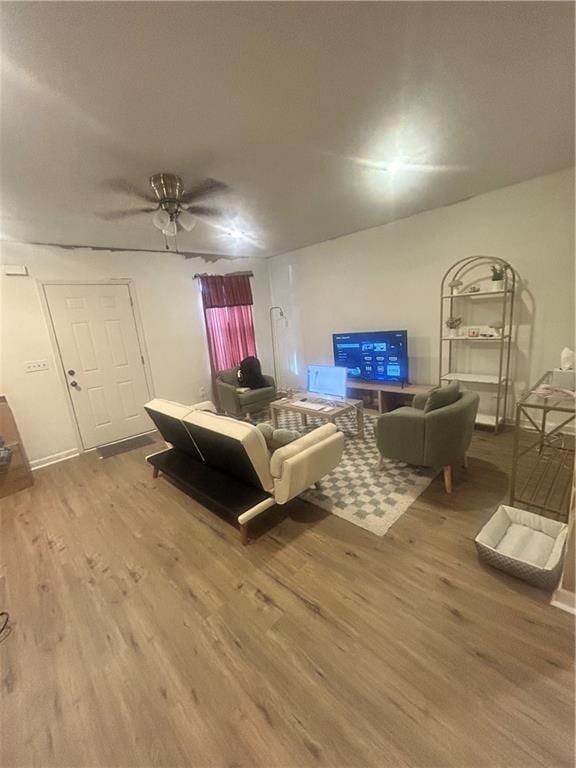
144 633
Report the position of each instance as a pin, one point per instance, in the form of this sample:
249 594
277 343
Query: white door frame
61 370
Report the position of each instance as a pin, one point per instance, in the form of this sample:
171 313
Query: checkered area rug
358 490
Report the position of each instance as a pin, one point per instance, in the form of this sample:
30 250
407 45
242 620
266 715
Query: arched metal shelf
455 293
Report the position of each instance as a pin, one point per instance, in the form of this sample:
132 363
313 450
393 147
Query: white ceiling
297 106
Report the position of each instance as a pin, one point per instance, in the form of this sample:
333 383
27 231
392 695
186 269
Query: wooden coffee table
329 413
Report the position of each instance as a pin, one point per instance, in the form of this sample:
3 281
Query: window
227 304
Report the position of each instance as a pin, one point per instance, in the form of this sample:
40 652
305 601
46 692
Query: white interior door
103 363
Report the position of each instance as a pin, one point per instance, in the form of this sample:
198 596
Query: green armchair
435 431
242 403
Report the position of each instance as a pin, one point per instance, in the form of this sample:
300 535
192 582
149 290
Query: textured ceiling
299 107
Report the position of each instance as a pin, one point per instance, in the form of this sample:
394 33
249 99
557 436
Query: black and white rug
358 490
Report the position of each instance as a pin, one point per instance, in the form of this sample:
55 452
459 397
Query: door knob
71 372
74 384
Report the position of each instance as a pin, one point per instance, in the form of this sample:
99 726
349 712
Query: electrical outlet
36 365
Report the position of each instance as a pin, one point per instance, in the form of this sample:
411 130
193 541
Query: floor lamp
280 314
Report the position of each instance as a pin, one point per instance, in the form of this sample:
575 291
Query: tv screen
373 355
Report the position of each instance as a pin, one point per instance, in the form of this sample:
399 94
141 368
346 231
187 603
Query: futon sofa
225 463
238 403
435 432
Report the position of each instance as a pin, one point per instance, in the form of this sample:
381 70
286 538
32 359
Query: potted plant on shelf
453 323
455 286
497 277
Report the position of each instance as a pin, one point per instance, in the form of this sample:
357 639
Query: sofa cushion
267 430
277 438
231 446
281 437
442 396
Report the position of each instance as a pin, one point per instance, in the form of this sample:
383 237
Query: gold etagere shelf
471 280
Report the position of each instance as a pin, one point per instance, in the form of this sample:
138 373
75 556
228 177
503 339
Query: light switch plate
36 365
16 270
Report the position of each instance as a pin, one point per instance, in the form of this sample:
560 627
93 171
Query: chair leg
448 478
465 462
155 472
318 485
381 462
244 533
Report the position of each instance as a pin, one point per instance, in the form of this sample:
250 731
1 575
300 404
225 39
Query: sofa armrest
297 446
400 435
227 397
297 466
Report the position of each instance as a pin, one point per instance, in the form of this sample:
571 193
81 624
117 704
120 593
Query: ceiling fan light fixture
161 219
187 221
171 229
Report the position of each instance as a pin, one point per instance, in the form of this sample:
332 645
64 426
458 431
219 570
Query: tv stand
390 394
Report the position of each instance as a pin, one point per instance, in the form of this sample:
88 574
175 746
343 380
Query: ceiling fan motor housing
168 189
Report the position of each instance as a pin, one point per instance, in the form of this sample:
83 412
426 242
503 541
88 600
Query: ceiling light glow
394 166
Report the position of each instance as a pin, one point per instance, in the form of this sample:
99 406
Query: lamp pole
273 335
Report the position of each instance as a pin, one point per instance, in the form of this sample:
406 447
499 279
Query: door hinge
142 358
131 302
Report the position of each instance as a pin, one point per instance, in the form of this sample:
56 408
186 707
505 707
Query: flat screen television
373 355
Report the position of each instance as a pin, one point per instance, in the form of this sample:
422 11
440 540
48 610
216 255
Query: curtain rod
247 273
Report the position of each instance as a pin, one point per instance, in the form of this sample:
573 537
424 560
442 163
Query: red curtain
227 304
226 291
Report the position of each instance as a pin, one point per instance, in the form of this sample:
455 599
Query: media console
390 395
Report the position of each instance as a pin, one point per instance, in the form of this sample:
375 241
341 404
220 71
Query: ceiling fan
173 207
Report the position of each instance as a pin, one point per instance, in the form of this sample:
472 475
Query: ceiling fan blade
126 188
204 210
206 187
115 215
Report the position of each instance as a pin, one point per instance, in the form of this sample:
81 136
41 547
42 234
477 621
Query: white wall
389 278
170 308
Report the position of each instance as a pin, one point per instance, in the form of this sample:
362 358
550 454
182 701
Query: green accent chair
242 403
435 431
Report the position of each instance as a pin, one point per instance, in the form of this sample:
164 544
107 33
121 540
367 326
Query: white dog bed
528 546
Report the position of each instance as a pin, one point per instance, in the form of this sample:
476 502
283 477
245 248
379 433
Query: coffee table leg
360 421
274 417
304 419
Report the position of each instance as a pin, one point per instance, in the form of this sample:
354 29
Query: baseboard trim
564 600
54 459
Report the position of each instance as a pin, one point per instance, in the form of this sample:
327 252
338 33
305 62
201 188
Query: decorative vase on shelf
497 278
